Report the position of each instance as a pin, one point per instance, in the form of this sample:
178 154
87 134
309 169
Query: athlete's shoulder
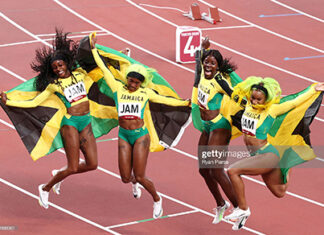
79 72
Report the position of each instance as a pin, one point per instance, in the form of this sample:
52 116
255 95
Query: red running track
92 202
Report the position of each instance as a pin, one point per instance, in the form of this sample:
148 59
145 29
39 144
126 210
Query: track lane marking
152 219
59 207
104 30
264 29
222 46
298 11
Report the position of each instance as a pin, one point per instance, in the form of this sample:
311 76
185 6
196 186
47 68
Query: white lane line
171 62
319 119
151 219
120 38
90 22
207 213
99 167
48 39
294 9
264 29
222 46
172 8
159 7
164 195
149 53
195 158
24 30
71 33
254 180
225 47
228 27
12 73
320 159
7 124
59 208
181 202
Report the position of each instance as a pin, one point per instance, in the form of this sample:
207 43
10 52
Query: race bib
202 97
129 110
75 92
249 125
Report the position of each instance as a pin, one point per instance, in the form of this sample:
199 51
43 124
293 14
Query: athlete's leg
220 139
206 173
71 141
258 165
275 183
141 150
89 149
125 163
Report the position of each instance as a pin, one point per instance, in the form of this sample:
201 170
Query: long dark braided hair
63 49
224 65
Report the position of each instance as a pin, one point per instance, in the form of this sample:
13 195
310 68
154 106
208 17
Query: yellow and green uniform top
71 91
257 122
210 91
131 105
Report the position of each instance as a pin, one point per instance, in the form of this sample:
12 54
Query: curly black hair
224 65
64 49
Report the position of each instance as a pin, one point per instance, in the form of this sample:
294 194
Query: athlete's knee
92 166
279 194
126 179
72 170
231 172
139 178
204 172
218 173
280 191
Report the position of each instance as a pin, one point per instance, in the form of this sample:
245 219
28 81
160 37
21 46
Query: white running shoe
137 192
238 216
126 51
237 213
219 212
57 186
157 209
240 222
43 196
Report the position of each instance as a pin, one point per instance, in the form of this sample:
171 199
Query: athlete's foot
137 192
126 51
219 212
57 186
157 209
43 196
238 216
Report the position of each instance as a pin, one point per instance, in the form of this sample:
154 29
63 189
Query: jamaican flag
39 128
165 123
290 132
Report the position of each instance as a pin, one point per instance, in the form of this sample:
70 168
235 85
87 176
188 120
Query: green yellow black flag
39 127
290 132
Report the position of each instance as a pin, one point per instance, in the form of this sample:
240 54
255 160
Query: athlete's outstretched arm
109 78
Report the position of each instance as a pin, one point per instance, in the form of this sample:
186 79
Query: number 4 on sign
189 48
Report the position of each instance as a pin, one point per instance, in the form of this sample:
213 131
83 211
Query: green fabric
79 122
130 136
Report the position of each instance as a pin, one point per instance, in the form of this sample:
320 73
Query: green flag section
290 132
39 128
165 123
